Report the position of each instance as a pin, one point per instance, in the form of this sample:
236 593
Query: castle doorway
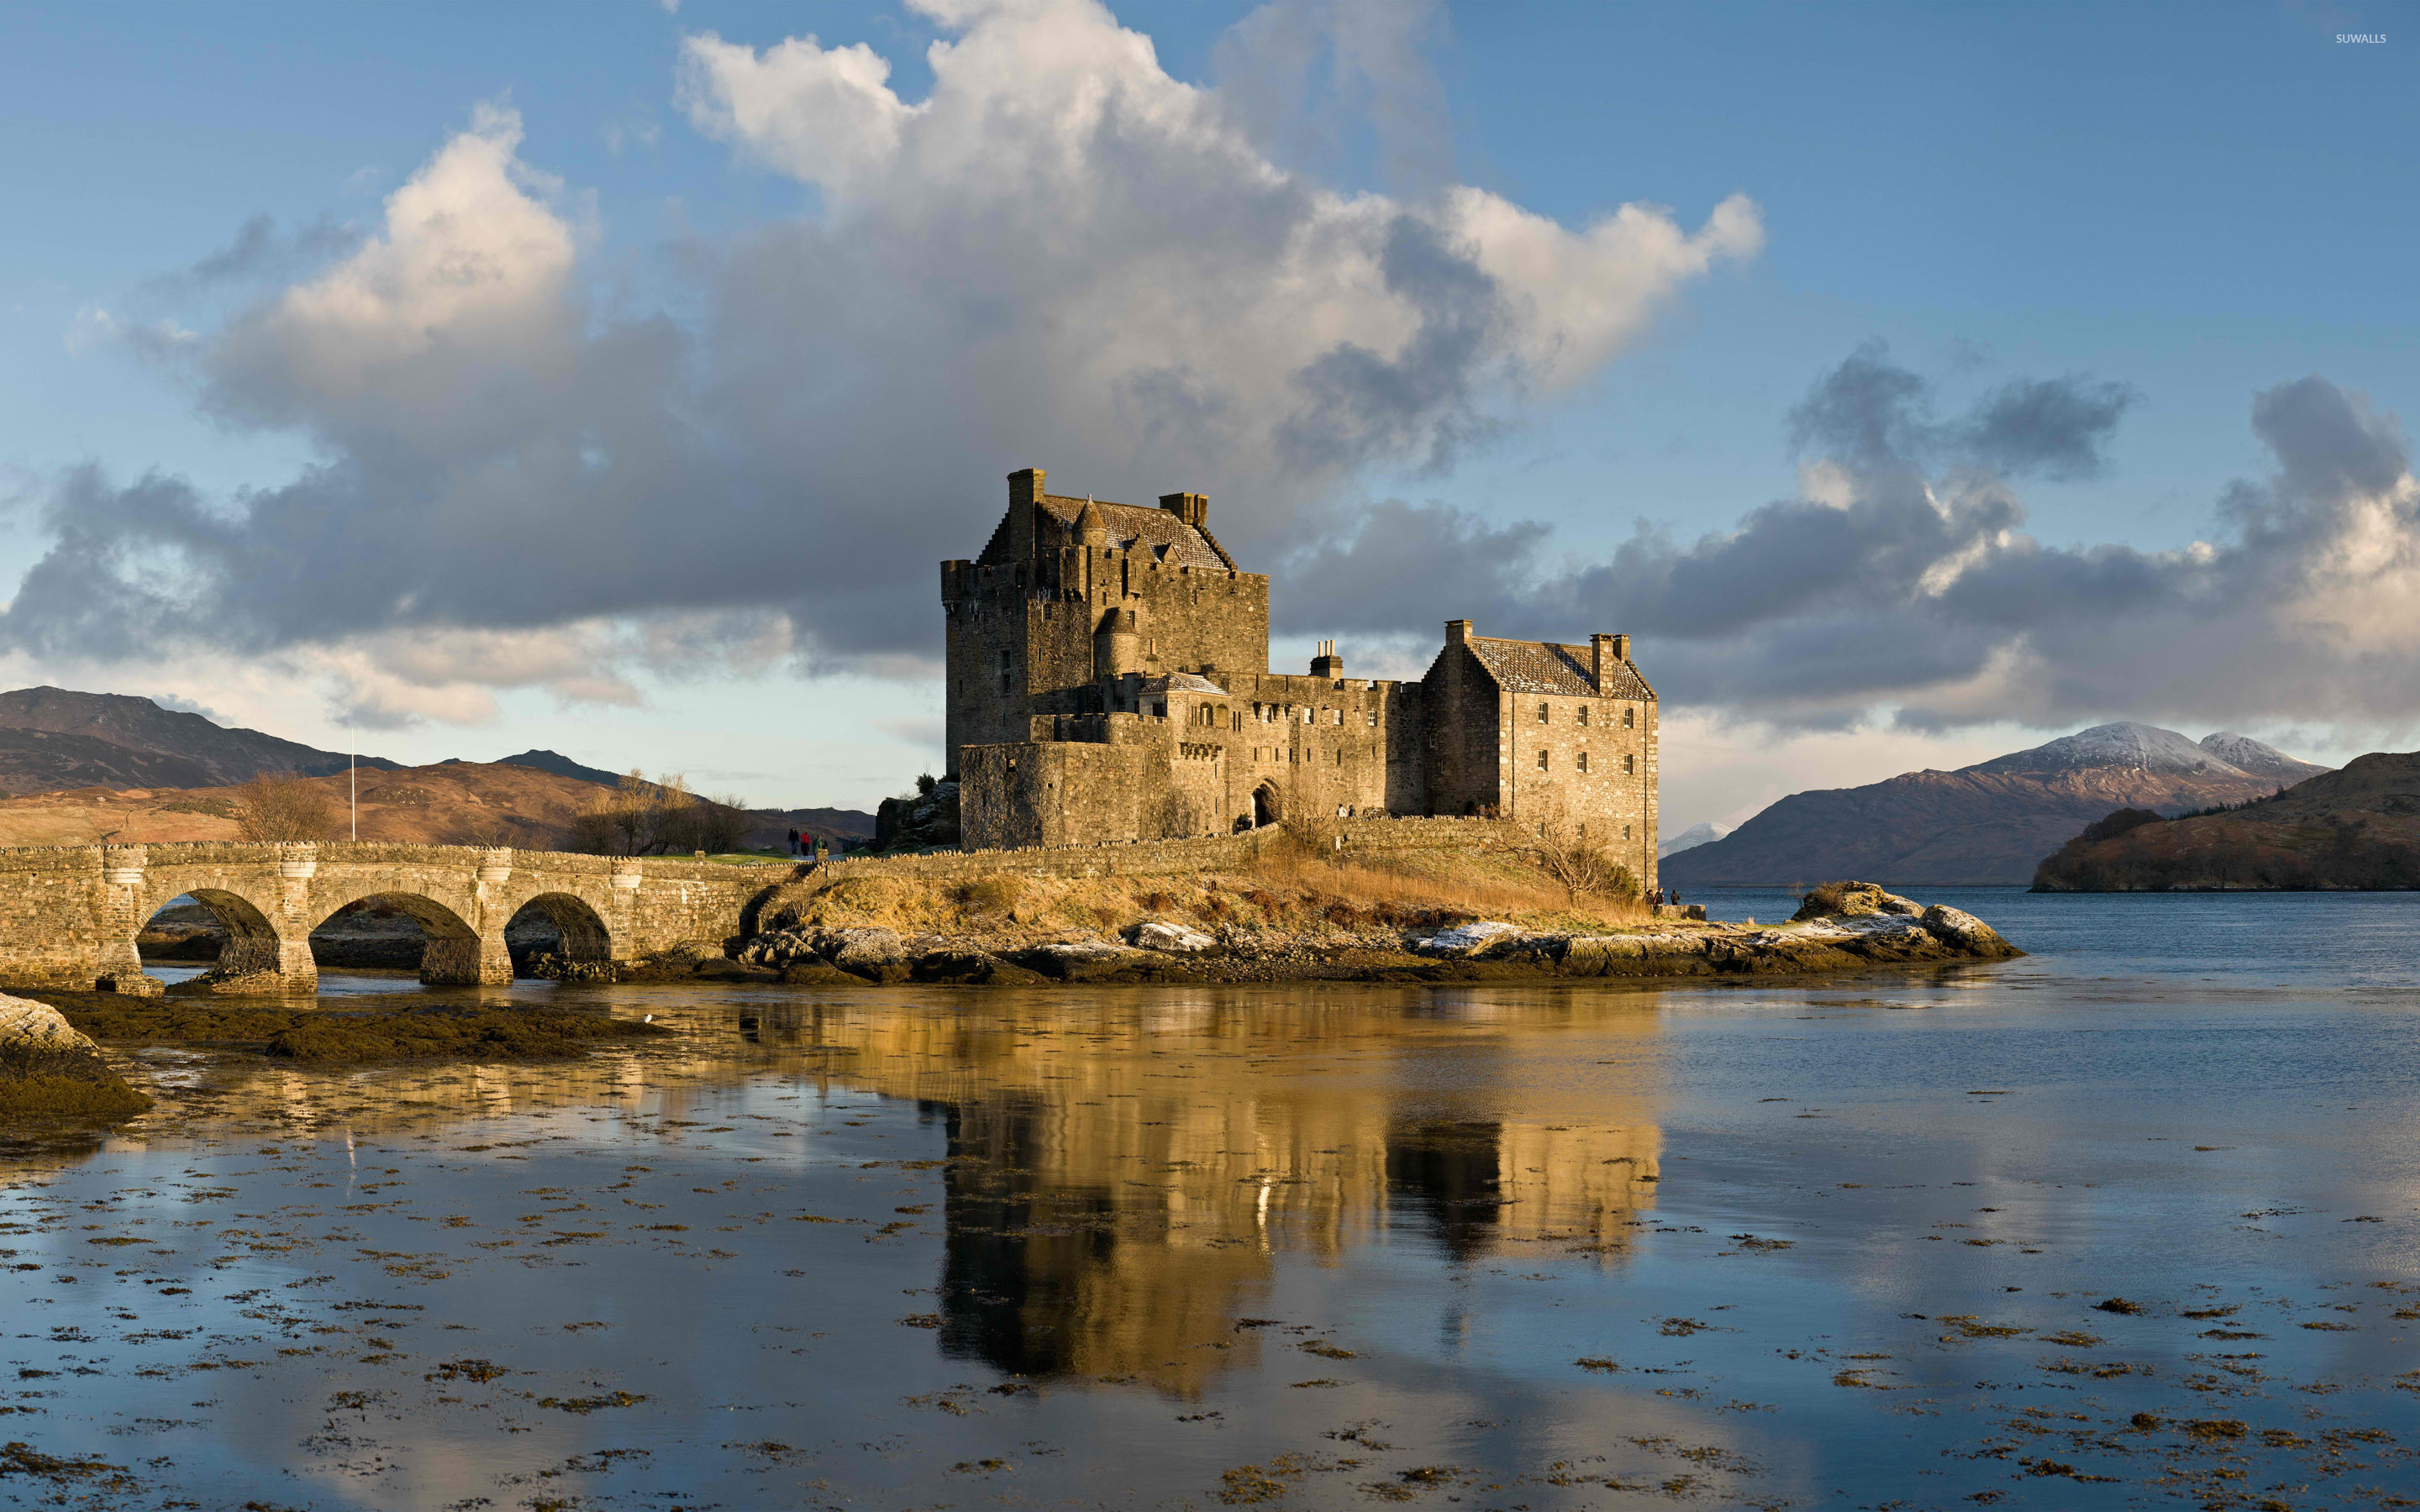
1265 805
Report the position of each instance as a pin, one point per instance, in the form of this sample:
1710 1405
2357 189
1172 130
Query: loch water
2129 1222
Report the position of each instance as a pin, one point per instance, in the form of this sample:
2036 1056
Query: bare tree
1560 846
284 807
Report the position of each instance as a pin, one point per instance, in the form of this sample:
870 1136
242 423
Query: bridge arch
455 952
254 944
587 938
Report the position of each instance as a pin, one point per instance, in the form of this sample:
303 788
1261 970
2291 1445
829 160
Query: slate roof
1561 671
1183 683
1167 538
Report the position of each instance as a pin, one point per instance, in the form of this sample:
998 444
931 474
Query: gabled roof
1161 535
1547 667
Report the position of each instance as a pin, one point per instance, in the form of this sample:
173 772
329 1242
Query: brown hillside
2356 828
456 803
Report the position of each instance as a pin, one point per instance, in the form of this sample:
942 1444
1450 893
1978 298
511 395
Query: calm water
1776 1244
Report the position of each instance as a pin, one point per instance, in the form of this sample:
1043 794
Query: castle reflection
1121 1170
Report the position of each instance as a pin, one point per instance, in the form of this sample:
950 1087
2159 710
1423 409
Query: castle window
1542 761
1335 717
1626 832
1583 832
1543 712
1584 714
1373 718
1583 761
1309 716
1628 717
1630 763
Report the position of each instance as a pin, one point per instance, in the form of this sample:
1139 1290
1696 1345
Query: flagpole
354 784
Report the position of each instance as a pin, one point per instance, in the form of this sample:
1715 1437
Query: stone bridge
68 914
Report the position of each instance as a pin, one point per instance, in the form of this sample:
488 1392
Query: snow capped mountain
2246 754
1988 824
1697 834
2127 745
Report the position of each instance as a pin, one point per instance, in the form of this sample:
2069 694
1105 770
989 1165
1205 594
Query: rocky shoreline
1843 927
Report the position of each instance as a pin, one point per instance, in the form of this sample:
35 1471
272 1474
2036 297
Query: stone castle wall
1170 858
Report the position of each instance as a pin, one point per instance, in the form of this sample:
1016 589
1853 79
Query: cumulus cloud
1060 256
1900 576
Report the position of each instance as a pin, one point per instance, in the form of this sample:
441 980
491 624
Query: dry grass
1293 888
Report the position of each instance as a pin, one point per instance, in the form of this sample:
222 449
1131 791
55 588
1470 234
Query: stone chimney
1606 652
1328 663
1193 508
1024 496
1456 632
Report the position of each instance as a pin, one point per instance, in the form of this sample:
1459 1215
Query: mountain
2247 754
1988 824
113 740
2354 828
1701 833
549 761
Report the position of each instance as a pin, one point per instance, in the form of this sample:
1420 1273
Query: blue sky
2199 204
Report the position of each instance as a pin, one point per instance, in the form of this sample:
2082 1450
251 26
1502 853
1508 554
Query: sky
1914 383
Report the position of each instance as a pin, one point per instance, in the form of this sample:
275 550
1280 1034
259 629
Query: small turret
1117 645
1092 529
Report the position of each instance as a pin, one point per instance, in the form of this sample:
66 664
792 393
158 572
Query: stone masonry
68 914
1106 684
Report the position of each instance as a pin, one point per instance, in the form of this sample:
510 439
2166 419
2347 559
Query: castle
1108 683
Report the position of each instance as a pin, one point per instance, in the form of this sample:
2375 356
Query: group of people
801 845
1660 896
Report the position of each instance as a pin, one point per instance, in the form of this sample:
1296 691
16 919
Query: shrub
283 808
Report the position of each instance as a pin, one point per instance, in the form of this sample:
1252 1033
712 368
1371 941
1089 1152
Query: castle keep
1108 681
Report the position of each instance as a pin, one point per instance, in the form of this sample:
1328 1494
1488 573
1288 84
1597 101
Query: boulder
865 951
1855 899
1174 939
48 1068
1466 939
1961 930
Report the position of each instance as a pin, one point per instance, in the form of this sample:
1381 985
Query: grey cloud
1873 414
2056 428
260 252
1919 590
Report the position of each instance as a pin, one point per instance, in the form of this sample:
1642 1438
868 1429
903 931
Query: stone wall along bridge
68 914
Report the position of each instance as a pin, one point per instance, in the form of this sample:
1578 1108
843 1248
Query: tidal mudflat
2129 1221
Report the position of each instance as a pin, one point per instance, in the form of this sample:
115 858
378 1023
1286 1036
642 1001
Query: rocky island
1033 931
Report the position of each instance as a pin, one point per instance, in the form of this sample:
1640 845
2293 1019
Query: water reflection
1119 1172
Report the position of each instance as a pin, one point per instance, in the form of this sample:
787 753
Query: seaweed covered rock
48 1069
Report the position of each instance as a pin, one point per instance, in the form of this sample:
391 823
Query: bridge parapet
68 914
